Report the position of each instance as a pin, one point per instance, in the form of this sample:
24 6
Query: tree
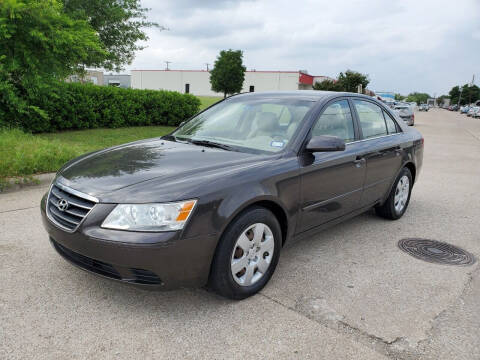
327 85
471 93
351 79
419 98
347 81
399 97
228 73
454 94
467 94
39 44
119 25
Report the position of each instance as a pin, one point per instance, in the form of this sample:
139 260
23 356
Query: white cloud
407 45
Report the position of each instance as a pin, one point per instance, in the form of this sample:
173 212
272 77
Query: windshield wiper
211 144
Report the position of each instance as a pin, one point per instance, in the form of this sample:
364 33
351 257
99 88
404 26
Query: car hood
116 168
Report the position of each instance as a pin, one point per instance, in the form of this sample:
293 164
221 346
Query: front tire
397 202
247 254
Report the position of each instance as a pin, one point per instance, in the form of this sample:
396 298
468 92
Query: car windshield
258 125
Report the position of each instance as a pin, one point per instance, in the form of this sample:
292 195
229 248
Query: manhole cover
436 252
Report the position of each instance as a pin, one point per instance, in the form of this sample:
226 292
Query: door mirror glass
323 143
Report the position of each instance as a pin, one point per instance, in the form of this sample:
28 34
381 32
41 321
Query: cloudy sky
404 45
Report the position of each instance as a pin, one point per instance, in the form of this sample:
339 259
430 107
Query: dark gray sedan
214 202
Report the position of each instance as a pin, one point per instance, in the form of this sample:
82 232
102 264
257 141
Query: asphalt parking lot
347 293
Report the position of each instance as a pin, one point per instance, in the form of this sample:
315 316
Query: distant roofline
249 71
265 71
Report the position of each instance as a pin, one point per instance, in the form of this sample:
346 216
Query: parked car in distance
476 112
472 111
423 107
215 201
464 109
406 113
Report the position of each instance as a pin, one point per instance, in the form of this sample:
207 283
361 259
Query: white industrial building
197 82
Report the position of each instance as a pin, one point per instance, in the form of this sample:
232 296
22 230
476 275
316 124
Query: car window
336 120
371 119
391 124
251 124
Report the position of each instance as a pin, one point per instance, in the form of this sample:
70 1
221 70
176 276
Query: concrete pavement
347 293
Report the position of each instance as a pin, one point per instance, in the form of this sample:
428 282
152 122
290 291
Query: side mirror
325 143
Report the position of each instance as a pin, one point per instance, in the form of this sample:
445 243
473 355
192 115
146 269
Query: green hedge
82 106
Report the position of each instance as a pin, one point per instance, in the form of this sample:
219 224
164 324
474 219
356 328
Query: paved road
347 293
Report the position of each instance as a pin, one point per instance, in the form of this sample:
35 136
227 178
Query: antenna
168 62
207 65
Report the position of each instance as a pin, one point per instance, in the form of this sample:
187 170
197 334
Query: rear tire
397 202
247 254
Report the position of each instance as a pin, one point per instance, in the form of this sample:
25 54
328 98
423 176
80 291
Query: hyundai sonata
213 202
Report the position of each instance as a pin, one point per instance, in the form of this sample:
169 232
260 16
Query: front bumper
161 260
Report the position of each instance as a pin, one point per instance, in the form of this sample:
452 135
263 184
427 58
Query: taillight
413 118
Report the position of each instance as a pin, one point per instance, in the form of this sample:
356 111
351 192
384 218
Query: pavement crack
19 209
336 323
424 343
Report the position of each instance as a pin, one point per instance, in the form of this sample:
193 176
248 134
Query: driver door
331 182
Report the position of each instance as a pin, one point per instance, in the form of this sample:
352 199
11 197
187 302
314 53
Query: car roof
314 95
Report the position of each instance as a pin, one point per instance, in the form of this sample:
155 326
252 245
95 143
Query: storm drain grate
436 252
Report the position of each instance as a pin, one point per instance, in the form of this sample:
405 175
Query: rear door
331 181
380 148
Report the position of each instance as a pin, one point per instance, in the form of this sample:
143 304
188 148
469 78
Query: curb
18 183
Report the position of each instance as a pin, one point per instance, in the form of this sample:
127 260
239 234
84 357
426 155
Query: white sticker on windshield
278 144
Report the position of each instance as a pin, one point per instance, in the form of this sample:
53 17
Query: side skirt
328 224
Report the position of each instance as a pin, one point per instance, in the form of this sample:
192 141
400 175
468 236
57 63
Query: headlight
150 217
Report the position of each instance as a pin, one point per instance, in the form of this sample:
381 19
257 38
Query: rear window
392 126
371 119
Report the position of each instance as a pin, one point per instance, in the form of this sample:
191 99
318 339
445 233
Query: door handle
359 161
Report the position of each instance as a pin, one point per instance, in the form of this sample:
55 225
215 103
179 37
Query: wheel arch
413 170
268 203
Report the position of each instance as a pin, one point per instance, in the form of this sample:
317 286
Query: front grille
87 263
67 208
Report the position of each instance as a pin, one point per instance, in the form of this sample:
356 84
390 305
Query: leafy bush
83 106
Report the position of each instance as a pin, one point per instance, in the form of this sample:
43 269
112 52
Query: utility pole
460 97
470 90
168 62
207 65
